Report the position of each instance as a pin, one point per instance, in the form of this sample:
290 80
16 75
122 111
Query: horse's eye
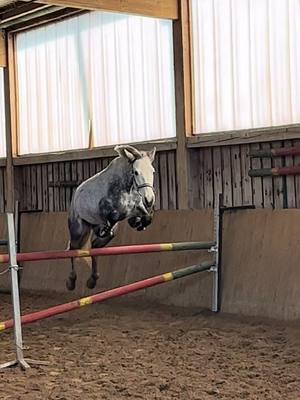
136 173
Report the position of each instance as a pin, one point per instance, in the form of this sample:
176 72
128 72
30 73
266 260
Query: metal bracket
213 249
14 267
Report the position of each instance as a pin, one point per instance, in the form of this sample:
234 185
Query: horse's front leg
79 232
98 241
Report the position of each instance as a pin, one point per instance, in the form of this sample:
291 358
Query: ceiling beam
27 18
167 9
19 11
3 55
35 22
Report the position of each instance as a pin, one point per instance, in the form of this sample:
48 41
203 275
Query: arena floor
122 350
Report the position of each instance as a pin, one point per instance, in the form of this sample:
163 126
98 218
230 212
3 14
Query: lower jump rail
109 251
109 294
283 171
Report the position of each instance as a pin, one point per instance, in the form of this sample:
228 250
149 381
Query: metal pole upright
13 266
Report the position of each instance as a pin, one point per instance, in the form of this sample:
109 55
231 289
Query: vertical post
17 235
182 106
15 296
215 268
16 222
10 121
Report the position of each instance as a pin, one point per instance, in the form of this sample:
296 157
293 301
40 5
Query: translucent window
245 63
95 80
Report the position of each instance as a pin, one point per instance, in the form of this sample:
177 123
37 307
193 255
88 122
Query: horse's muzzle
148 202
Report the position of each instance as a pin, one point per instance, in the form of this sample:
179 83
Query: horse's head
143 172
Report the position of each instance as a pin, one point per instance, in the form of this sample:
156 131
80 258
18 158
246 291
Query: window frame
73 154
228 137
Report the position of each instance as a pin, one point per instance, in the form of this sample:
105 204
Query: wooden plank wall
2 189
36 191
225 169
212 170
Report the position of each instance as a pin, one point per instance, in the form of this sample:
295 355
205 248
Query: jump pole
280 171
277 152
109 294
109 251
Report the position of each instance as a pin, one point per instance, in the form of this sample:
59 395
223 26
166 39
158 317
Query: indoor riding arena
149 199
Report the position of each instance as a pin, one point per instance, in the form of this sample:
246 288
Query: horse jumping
124 189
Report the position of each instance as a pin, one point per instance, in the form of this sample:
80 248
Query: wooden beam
245 136
187 70
3 56
56 16
10 120
9 187
74 155
19 11
150 8
181 153
13 95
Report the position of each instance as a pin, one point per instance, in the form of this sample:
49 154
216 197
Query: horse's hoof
70 284
91 282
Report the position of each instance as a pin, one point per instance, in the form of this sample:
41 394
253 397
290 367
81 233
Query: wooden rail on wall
158 8
256 135
107 151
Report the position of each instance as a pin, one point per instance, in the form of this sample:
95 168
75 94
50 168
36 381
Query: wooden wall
260 272
211 170
2 189
225 169
39 190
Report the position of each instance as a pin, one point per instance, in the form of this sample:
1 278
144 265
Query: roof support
150 8
3 55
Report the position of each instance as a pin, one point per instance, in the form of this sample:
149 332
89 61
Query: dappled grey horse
124 189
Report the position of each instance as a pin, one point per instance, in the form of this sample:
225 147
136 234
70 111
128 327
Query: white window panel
111 73
2 117
245 64
51 108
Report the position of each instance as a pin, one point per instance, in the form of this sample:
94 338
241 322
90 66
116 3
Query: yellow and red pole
109 294
108 251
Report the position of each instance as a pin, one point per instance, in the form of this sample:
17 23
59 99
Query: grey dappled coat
110 195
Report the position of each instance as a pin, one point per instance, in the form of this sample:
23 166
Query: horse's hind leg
79 234
98 242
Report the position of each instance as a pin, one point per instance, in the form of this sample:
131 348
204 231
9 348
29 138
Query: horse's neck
122 169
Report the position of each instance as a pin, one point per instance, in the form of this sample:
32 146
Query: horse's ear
151 154
128 152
